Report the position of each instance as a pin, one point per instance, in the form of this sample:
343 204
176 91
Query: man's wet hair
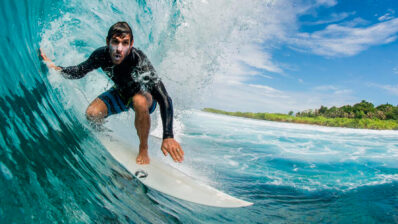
120 29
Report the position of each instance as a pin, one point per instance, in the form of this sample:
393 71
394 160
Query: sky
313 52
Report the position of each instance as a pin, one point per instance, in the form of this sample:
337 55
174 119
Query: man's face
119 48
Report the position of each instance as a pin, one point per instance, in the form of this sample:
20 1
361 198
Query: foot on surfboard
143 157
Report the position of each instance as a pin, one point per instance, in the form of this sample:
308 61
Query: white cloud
395 70
343 92
385 17
251 59
393 89
389 15
333 90
265 76
262 98
339 40
328 3
356 22
334 17
325 88
266 88
256 57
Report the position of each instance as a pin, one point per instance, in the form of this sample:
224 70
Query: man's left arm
169 144
159 93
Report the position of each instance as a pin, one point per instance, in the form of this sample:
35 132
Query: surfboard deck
167 179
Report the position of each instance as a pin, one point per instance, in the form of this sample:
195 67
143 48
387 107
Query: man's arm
169 145
78 71
159 93
49 62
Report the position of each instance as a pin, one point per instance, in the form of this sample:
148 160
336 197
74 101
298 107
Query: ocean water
53 168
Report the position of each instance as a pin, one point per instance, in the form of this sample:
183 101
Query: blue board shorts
115 104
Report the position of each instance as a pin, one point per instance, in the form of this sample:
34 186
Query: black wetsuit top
134 74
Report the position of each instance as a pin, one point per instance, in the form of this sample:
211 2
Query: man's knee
94 113
141 103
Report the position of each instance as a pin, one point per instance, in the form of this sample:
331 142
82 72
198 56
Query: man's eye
114 42
126 43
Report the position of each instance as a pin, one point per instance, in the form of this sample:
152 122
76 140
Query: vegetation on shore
360 115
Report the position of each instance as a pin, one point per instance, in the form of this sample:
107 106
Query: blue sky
318 52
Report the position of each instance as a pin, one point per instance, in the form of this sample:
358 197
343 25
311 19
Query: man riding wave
137 86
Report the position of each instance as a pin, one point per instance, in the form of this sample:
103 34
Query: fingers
180 150
164 150
177 154
173 155
173 148
43 55
49 62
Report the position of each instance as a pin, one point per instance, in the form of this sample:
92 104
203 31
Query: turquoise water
53 168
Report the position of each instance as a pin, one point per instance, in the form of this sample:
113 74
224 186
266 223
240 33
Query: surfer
136 86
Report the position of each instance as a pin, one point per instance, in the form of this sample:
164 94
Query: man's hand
49 62
172 147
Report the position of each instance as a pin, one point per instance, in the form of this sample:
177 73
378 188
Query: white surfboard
168 180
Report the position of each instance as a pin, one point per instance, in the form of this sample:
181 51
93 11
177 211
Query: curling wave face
51 167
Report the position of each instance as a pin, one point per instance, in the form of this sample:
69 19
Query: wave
52 168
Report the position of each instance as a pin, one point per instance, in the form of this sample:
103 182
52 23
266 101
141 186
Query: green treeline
360 115
360 110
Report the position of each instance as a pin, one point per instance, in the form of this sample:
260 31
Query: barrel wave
53 169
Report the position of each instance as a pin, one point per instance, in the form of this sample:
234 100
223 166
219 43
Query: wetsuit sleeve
79 71
159 93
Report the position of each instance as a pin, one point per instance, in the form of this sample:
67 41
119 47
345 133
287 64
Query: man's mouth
117 57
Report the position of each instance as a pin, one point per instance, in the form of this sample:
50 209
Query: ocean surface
53 169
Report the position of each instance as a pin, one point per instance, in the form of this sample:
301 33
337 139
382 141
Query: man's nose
119 47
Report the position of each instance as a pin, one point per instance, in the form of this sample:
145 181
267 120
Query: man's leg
96 112
141 104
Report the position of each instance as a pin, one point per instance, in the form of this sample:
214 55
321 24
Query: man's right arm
78 71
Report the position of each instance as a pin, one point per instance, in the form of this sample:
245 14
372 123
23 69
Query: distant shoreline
362 123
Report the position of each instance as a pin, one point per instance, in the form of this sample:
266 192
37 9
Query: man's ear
132 42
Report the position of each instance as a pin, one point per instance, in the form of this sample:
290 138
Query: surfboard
168 180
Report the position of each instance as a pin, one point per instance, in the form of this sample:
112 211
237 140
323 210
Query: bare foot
143 157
